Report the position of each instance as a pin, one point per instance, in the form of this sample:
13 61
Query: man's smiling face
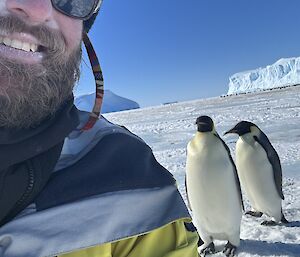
37 14
39 60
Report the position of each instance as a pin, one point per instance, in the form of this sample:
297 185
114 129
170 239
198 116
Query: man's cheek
3 9
71 30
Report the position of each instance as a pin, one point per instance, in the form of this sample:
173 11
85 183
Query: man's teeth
19 44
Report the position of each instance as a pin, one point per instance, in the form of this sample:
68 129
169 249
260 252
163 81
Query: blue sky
156 51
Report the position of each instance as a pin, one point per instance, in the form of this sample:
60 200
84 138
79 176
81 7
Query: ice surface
284 72
167 129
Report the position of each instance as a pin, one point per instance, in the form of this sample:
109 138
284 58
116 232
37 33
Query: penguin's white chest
257 177
211 187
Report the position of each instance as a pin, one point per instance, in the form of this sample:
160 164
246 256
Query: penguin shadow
269 249
292 224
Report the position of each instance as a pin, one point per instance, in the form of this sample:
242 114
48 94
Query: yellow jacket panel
172 240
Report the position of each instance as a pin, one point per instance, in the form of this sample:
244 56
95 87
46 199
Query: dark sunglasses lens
75 8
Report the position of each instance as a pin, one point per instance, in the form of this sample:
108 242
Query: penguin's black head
241 128
204 124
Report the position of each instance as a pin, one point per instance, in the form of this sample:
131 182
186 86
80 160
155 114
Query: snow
111 102
285 72
167 129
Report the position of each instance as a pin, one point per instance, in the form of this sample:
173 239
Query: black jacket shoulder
119 161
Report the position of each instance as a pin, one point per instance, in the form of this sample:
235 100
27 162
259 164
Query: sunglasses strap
94 115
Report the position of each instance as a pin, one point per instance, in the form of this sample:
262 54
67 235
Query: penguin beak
233 130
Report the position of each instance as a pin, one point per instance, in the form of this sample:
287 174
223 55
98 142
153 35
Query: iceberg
285 72
111 102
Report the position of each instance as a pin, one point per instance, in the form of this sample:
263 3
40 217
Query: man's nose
32 11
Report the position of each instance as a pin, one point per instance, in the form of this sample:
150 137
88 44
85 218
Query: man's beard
31 92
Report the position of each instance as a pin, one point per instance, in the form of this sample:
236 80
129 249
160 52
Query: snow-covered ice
167 129
284 72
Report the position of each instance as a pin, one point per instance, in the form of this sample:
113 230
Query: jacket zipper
30 185
19 204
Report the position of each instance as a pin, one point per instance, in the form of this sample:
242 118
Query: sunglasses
78 9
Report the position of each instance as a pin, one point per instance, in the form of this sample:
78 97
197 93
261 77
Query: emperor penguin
213 189
259 171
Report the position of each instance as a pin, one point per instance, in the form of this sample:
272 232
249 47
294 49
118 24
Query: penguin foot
269 223
210 249
254 213
229 250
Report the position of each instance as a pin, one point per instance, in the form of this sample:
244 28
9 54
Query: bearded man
73 184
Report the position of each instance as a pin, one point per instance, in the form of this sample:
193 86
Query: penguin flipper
283 219
273 158
237 180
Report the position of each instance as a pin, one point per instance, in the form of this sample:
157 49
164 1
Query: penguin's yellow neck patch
214 130
254 130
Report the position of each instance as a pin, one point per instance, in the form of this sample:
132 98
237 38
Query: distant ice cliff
284 72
